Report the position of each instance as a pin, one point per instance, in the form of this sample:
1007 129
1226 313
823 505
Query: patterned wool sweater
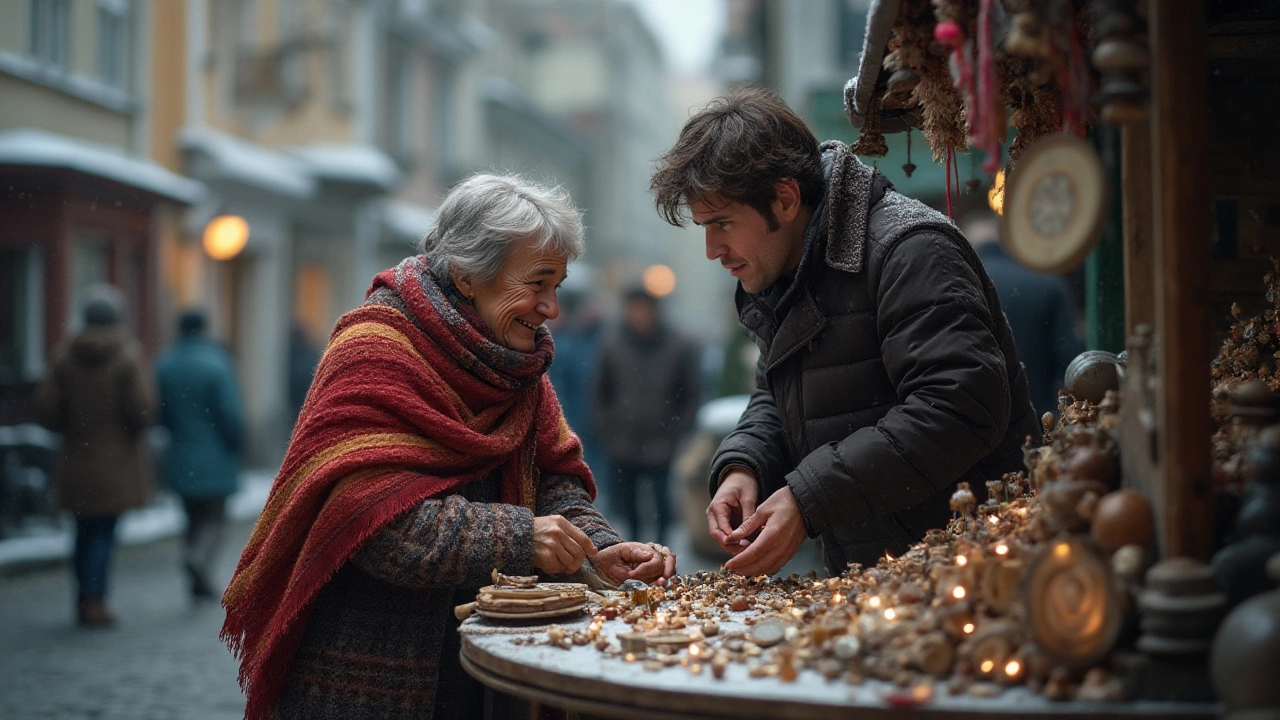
382 641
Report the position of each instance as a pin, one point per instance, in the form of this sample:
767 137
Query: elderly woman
430 451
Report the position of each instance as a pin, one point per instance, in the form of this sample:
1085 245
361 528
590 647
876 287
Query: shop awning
406 222
361 167
40 148
213 156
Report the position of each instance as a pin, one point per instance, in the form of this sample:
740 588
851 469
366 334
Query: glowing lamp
659 280
225 236
995 195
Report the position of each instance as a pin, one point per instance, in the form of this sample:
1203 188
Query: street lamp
659 280
225 236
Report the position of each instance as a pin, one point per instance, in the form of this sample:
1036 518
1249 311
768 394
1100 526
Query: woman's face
522 296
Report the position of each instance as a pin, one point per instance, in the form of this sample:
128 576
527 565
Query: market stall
1112 577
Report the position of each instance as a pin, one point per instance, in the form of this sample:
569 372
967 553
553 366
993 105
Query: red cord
949 153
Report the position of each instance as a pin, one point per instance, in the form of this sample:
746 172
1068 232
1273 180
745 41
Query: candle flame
968 628
962 560
958 592
1012 668
1002 549
1062 550
993 519
874 601
987 666
837 598
889 614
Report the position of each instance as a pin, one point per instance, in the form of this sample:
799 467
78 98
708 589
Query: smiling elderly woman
430 451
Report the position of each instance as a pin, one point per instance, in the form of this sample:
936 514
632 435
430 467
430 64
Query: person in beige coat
99 397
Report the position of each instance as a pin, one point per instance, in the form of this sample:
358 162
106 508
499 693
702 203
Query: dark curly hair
738 146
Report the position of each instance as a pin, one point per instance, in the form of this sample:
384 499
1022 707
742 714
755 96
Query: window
341 24
397 127
113 43
21 315
50 30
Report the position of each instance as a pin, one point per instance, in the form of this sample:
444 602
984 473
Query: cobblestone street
162 661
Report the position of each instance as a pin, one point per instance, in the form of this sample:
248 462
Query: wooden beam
1139 250
1179 142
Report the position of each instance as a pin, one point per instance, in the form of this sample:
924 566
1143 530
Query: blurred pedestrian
431 451
645 399
577 335
1040 308
99 397
201 408
303 358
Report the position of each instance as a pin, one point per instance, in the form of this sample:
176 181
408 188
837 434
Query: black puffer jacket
887 372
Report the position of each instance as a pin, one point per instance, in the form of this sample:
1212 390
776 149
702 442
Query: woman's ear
463 283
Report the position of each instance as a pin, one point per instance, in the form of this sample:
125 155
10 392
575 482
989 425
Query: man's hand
651 563
781 528
735 500
559 546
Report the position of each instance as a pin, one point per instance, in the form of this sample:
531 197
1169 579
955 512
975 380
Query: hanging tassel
870 141
989 119
910 167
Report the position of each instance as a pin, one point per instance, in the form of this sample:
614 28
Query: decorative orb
1123 517
1093 463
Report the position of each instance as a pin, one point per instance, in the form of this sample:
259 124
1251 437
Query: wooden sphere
1123 517
1093 463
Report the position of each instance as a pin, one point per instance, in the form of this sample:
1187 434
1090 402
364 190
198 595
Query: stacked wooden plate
541 600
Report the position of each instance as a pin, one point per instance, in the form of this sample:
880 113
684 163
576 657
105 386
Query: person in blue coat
201 408
1040 308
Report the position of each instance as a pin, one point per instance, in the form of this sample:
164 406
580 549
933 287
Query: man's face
738 236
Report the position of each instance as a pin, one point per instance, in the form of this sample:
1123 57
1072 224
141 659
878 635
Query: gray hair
479 222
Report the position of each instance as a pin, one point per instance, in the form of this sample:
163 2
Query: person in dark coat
887 371
201 408
1040 309
99 397
645 398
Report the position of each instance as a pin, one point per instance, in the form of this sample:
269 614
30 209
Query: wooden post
1139 250
1180 163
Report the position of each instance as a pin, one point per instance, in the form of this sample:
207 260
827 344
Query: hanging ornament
910 167
870 140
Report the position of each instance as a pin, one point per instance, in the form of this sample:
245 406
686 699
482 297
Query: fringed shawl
413 398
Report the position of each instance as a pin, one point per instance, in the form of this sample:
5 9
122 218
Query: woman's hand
559 547
652 563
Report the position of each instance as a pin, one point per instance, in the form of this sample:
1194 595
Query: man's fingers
669 566
753 522
718 522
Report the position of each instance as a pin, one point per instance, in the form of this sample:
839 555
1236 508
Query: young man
887 370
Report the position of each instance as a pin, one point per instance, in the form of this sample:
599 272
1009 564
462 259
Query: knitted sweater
382 641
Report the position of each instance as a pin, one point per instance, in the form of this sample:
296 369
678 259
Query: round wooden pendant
1055 205
1072 607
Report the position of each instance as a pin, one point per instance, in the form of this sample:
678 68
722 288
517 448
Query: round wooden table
584 680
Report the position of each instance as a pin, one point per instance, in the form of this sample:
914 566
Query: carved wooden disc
1073 611
1055 204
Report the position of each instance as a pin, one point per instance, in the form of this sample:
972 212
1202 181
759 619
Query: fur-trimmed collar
849 200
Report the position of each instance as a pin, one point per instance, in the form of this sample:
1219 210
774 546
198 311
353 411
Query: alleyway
163 661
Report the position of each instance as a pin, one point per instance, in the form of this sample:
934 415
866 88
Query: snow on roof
40 148
354 164
406 220
235 160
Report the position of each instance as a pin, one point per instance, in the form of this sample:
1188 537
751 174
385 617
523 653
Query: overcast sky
688 30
